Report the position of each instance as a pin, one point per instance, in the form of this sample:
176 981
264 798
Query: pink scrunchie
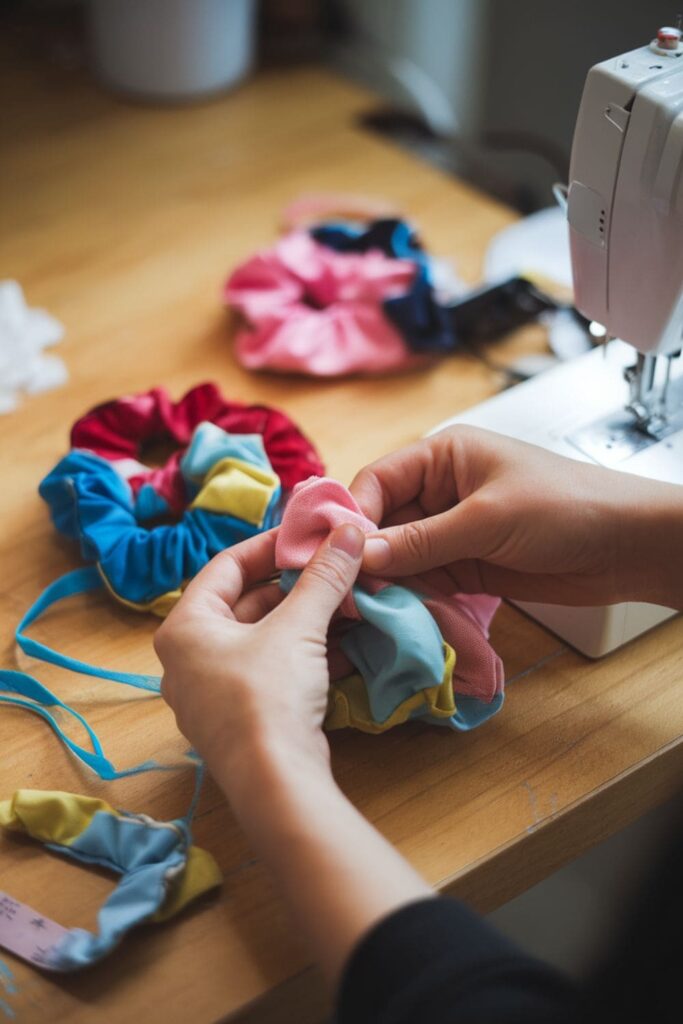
318 311
316 507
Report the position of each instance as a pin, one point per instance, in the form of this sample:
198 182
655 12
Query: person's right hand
481 513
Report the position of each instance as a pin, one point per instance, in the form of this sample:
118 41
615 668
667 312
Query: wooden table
123 220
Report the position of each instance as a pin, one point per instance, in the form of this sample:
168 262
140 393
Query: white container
171 49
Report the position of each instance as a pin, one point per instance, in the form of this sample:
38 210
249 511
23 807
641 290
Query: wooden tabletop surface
122 220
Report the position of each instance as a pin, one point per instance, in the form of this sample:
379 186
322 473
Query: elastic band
37 698
200 772
79 581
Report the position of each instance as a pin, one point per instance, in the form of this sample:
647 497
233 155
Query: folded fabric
148 531
417 653
161 872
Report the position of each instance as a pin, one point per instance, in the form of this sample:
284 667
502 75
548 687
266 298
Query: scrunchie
221 483
161 871
339 299
417 652
118 430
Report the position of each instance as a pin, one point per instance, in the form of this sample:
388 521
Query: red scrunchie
117 430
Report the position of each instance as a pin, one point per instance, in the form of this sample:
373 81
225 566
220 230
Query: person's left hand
243 664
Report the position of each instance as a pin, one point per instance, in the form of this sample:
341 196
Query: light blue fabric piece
398 651
397 648
470 713
210 444
145 853
91 503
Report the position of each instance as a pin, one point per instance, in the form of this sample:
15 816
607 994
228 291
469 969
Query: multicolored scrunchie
160 870
340 298
397 652
149 530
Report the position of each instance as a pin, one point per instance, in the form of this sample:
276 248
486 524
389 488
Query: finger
405 514
257 603
235 570
390 482
463 532
434 472
439 580
327 579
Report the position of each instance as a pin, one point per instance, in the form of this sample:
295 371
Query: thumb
327 578
428 543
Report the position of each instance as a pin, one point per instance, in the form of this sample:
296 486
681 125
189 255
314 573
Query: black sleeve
435 961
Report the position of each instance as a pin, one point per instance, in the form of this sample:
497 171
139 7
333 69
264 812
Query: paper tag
26 933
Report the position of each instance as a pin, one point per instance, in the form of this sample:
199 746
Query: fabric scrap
25 333
406 643
161 870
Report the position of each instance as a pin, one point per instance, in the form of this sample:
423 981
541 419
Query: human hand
478 512
245 667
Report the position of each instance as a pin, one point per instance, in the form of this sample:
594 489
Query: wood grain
122 220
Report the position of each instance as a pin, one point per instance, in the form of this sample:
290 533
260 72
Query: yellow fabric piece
160 605
50 815
200 875
348 703
234 487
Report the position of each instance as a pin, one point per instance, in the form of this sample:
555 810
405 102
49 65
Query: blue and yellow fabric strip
160 870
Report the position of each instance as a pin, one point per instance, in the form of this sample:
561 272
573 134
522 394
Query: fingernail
377 553
349 539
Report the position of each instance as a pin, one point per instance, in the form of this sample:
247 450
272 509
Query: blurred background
486 89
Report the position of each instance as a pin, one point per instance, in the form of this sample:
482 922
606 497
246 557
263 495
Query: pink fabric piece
316 507
314 310
478 669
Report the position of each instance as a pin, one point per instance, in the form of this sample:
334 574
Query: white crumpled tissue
24 333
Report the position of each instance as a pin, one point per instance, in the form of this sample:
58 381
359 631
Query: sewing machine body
625 214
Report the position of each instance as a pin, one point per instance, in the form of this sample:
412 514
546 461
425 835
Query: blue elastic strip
200 772
80 581
35 697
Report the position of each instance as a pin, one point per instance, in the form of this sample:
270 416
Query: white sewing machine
615 406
